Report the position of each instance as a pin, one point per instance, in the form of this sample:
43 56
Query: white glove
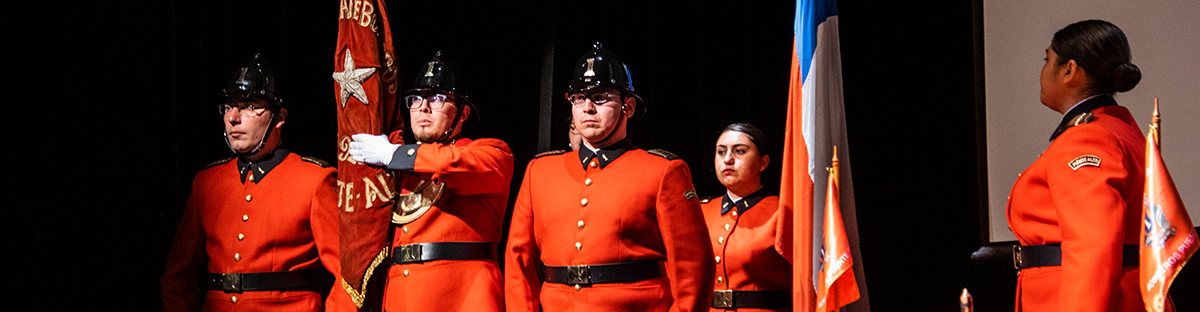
373 150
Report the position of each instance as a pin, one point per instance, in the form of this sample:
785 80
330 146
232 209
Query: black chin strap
261 142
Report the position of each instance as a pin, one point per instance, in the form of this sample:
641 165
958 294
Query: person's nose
423 106
589 106
728 158
234 116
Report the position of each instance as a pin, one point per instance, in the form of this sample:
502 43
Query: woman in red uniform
1076 209
752 272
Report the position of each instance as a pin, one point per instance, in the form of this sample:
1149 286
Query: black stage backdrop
116 112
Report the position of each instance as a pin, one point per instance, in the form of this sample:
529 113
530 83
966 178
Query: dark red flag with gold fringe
365 87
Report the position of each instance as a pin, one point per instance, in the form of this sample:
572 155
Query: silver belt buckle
1017 257
231 282
579 275
723 299
410 253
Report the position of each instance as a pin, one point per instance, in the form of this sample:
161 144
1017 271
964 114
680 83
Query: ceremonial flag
1168 238
816 123
365 79
835 281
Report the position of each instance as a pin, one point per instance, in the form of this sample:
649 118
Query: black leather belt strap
625 272
239 282
758 299
1051 255
413 253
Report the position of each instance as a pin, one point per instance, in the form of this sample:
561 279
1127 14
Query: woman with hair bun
1076 210
749 235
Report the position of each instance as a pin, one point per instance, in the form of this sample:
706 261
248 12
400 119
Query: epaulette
218 162
547 153
705 200
663 154
318 161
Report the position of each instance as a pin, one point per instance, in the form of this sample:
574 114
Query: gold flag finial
1156 126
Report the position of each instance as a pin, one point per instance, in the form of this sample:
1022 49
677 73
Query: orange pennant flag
1168 238
836 286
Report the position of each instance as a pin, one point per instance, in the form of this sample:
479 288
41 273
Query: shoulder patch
548 153
318 161
1085 160
690 194
218 162
663 154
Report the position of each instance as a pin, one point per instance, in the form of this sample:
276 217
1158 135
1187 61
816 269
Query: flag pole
1155 124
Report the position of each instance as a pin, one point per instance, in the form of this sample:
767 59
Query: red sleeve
482 167
186 262
323 218
1091 212
690 264
521 284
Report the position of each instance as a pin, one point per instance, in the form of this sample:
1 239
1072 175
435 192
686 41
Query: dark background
116 112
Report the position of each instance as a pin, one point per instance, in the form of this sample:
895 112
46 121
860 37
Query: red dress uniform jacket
621 206
1089 205
282 218
747 245
471 209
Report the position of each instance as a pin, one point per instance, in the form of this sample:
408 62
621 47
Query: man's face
246 122
429 123
595 121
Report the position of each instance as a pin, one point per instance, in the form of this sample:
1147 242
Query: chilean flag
816 123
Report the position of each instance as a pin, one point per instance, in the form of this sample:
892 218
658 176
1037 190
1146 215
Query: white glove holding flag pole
373 150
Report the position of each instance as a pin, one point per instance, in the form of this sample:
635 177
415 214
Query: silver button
727 226
577 287
241 236
718 259
578 246
404 229
583 202
721 240
580 224
587 181
245 218
405 272
412 151
233 299
248 197
237 257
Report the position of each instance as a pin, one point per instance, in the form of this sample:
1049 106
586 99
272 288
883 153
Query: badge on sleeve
1085 160
690 194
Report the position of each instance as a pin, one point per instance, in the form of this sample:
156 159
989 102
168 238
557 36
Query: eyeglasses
437 101
246 110
597 98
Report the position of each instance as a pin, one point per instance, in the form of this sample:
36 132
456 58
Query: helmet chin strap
262 143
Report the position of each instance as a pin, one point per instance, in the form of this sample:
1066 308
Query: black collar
1086 106
606 154
743 204
256 171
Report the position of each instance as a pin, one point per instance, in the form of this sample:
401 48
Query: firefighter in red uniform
444 255
1076 209
748 234
611 227
260 228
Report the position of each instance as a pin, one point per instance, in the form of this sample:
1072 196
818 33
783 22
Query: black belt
604 273
239 282
413 253
1051 255
758 299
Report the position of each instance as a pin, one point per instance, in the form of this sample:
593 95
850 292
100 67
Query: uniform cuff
405 157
